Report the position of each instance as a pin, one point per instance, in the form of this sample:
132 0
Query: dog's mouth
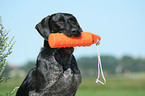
73 34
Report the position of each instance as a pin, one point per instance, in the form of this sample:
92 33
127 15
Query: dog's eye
72 20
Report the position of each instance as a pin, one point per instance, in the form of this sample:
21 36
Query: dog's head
60 22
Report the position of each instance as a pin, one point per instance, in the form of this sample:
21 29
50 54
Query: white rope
100 68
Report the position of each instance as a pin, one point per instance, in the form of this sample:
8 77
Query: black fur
56 72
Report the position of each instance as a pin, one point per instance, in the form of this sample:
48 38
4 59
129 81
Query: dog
56 72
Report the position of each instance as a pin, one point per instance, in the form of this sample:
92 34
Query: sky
120 23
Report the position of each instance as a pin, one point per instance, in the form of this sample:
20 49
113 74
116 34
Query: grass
113 88
7 87
110 93
120 85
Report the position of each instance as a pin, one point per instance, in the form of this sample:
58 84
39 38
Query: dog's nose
75 32
74 29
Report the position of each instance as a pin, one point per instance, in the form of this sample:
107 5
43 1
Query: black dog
56 72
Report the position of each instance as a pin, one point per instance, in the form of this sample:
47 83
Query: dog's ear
43 27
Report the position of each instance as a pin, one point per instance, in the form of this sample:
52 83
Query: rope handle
100 67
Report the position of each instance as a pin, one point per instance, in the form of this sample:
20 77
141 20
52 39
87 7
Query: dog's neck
63 55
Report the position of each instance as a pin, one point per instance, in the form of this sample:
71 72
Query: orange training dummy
58 40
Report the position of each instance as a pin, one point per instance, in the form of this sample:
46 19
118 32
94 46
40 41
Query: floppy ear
43 27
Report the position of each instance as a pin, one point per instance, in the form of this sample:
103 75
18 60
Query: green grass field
131 85
114 87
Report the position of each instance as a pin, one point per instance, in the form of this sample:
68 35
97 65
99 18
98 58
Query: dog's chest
66 85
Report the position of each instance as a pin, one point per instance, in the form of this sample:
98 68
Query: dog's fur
56 72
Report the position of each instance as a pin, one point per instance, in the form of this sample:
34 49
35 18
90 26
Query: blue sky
120 23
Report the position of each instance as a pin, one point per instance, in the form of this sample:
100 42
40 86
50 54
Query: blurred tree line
111 65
